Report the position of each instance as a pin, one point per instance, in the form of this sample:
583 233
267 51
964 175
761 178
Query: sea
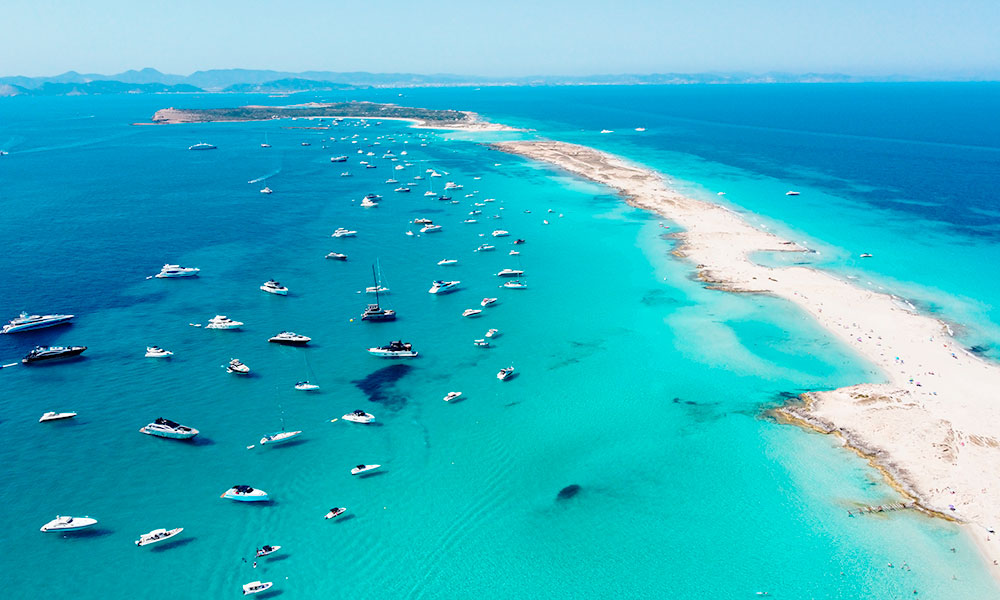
632 455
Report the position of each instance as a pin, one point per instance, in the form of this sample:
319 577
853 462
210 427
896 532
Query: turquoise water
635 383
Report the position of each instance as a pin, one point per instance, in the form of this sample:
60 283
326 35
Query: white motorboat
447 261
430 194
492 333
376 289
392 181
640 129
27 322
305 386
222 322
237 367
336 256
279 437
56 416
266 190
470 221
505 373
245 493
165 428
396 349
865 255
172 271
201 146
343 232
510 273
368 203
485 248
443 287
487 302
359 416
345 174
273 287
402 189
157 352
430 228
481 343
363 469
399 167
256 587
266 550
791 193
422 221
157 535
290 338
335 512
68 524
451 185
500 233
337 159
515 285
452 395
514 253
472 312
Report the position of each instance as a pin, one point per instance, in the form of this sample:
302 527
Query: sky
506 38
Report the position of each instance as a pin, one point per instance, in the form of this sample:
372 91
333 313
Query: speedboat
428 192
266 550
305 386
202 146
451 185
338 159
290 338
266 190
452 395
515 285
510 273
443 287
505 373
374 312
279 437
607 131
447 261
245 493
172 271
359 416
26 322
791 193
398 167
444 198
238 368
514 253
492 333
157 535
487 301
430 228
256 587
273 287
335 512
866 255
165 428
368 203
481 343
519 241
485 248
472 312
376 289
396 349
422 221
392 181
336 256
306 144
500 233
402 189
342 232
371 166
640 129
68 524
52 352
157 352
363 469
470 221
54 416
222 322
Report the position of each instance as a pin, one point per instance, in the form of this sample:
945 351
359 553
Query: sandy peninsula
933 429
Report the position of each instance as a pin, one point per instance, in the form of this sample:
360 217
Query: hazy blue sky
508 37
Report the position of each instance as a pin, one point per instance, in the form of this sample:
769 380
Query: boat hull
170 435
68 353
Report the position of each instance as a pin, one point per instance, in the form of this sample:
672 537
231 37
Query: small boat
519 241
447 261
444 198
429 193
492 333
345 174
640 129
391 181
26 322
481 343
451 185
202 146
306 144
402 189
336 256
452 395
485 248
505 373
290 338
256 587
430 228
500 233
368 203
866 255
443 287
157 352
266 550
165 428
305 386
68 524
157 535
422 221
41 353
514 253
266 190
245 493
236 367
470 221
791 193
510 273
342 232
273 287
222 322
279 437
56 416
337 159
359 416
607 131
174 271
376 289
515 285
487 302
396 349
363 469
472 312
335 512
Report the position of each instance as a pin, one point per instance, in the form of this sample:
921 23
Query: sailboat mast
375 277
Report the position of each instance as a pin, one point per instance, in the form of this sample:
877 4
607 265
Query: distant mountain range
264 81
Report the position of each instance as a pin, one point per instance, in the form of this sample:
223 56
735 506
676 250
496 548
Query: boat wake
265 177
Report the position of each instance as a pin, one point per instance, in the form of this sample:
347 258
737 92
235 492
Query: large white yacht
430 228
157 535
396 349
290 338
245 493
443 287
165 428
26 322
273 287
359 416
170 271
68 524
222 322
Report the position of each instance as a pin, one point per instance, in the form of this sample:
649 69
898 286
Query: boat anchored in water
335 512
174 271
266 190
430 228
202 146
279 437
266 550
238 368
443 287
344 232
447 262
165 428
472 312
396 349
305 386
222 322
41 353
290 338
273 287
488 302
56 416
26 322
363 469
359 416
515 285
245 493
157 535
500 233
452 395
157 352
510 273
256 587
336 256
485 248
505 373
68 524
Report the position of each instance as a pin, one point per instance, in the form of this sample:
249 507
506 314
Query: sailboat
279 437
375 312
265 144
306 385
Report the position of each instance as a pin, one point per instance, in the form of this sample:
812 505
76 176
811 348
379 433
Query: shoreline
932 429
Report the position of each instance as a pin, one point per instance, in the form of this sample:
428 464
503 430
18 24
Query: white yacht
451 185
492 333
345 174
395 349
447 262
273 287
222 322
430 228
470 221
266 550
279 437
392 181
27 322
237 368
363 469
343 232
452 395
429 194
336 256
201 146
515 285
472 312
157 535
500 233
359 416
245 493
337 159
56 416
305 386
443 287
157 352
422 221
335 512
165 428
266 190
379 289
514 253
791 193
256 587
485 248
290 338
402 189
171 271
481 343
505 373
68 524
487 302
368 203
607 131
510 273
